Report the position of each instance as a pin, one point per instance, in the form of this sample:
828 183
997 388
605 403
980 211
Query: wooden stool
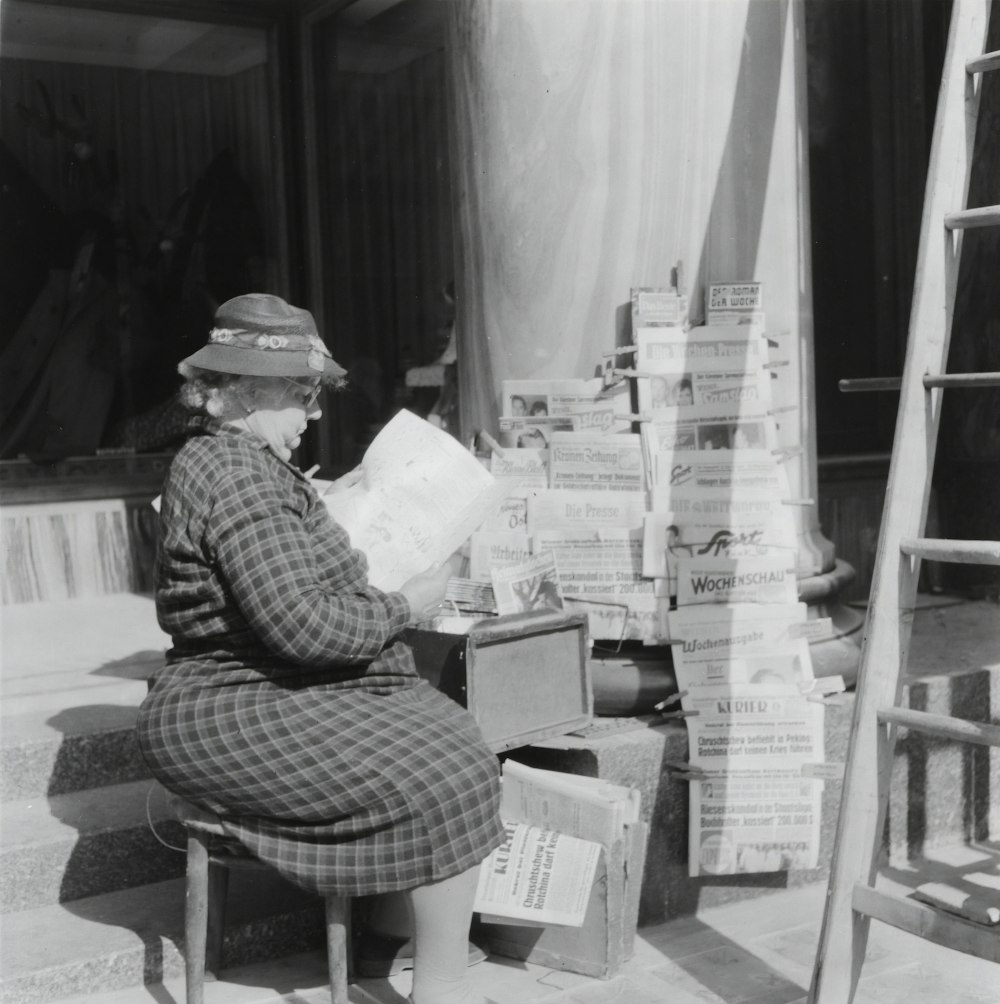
210 856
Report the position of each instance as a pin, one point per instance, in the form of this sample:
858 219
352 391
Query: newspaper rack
607 938
523 676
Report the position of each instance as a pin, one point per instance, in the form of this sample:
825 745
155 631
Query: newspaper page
737 426
517 471
490 549
753 724
714 503
420 497
692 472
531 433
757 819
683 388
739 734
538 875
705 579
657 306
531 584
587 405
734 303
521 468
566 508
531 398
717 365
706 639
600 570
669 536
580 460
584 807
703 348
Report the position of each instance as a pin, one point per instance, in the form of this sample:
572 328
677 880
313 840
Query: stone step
72 674
133 937
79 747
68 847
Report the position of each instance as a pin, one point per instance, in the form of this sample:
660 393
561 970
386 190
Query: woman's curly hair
206 392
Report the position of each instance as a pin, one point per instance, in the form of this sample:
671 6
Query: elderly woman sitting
289 705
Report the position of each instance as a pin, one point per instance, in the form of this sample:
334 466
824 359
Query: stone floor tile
921 984
729 976
637 988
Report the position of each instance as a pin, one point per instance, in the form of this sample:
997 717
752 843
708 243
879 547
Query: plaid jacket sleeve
264 551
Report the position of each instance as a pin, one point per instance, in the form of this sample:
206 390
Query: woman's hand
428 588
347 480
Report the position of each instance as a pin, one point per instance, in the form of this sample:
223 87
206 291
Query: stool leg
336 947
218 895
196 916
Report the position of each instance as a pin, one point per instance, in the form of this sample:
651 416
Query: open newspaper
420 498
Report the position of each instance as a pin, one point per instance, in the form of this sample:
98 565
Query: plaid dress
288 705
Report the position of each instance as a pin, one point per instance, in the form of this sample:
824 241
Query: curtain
387 239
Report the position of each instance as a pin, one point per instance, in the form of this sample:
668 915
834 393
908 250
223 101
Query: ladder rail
888 628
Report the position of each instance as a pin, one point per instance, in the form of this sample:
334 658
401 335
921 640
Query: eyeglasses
305 395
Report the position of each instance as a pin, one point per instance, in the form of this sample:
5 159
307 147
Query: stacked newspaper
601 519
557 826
568 531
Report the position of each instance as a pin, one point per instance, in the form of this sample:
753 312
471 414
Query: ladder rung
960 552
969 219
963 380
987 61
928 923
856 384
942 726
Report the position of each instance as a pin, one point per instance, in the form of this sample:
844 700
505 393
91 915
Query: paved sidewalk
753 952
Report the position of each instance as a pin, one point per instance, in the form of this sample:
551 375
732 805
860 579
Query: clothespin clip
681 771
668 701
624 350
679 714
802 502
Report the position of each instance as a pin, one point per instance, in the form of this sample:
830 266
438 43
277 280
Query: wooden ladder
852 901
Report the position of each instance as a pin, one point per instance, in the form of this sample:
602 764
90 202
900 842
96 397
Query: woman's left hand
346 481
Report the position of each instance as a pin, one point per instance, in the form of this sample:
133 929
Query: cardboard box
607 938
524 676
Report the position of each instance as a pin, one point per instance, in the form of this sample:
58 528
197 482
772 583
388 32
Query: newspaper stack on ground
557 825
420 498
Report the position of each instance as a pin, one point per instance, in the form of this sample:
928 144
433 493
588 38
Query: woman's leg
442 913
